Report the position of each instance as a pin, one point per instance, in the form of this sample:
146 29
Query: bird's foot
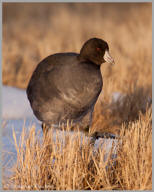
98 135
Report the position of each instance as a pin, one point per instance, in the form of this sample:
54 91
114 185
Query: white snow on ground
116 96
15 104
17 113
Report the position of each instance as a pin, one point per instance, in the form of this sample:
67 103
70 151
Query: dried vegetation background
34 31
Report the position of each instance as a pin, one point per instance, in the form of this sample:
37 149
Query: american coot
65 86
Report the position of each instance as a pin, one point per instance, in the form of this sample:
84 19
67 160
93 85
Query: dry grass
48 165
32 32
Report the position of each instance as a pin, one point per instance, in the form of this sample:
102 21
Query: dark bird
65 86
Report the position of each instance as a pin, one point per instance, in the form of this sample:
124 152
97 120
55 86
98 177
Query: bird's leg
45 128
86 121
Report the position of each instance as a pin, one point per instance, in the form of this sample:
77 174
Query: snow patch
15 104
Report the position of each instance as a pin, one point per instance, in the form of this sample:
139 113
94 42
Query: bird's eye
98 49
